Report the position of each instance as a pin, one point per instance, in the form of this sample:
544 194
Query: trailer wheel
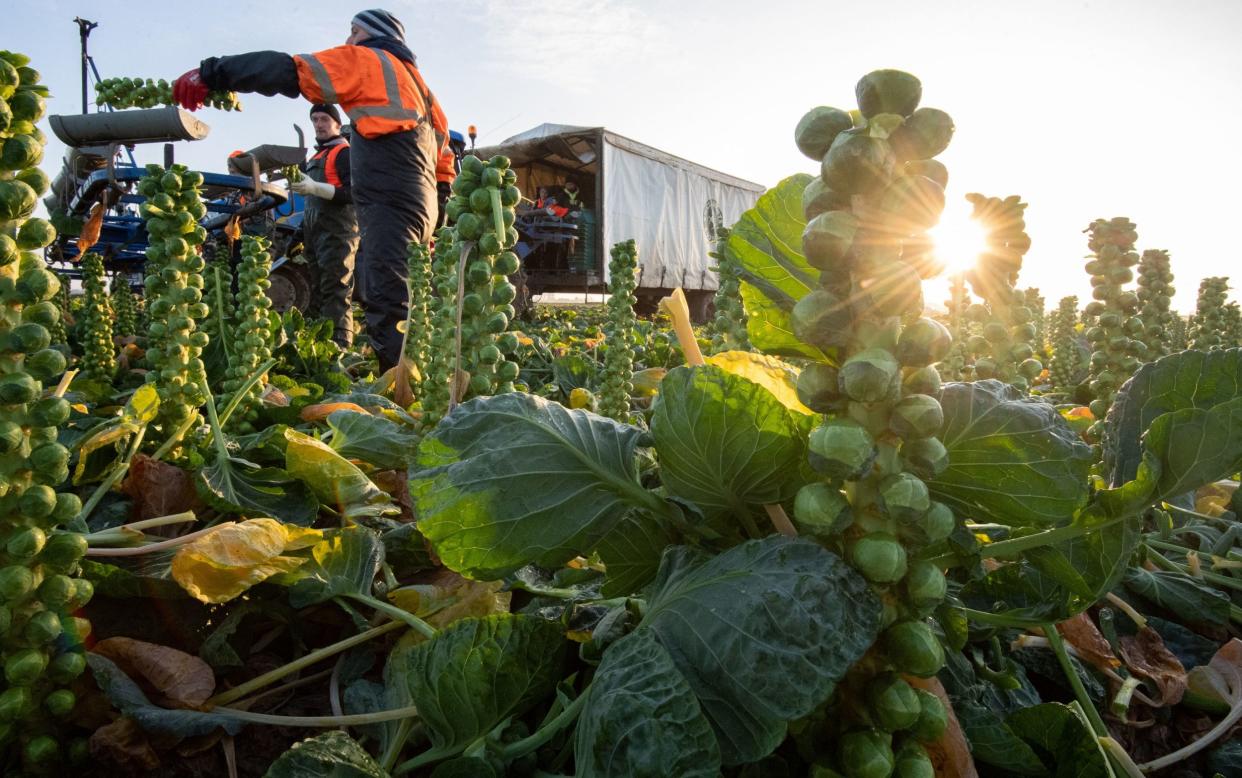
699 301
290 288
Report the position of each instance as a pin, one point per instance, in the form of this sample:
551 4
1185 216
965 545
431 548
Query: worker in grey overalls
329 224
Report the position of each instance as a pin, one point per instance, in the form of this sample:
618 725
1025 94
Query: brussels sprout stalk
1006 348
1065 361
1114 328
614 400
41 641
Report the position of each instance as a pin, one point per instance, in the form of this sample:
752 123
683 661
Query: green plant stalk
221 308
614 400
98 349
314 657
1067 667
351 720
393 612
118 471
133 532
536 739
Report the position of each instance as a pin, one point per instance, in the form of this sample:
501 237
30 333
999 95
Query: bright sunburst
959 239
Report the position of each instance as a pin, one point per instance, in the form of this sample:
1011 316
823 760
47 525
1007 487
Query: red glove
189 91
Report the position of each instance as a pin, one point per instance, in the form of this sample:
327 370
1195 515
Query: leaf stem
1182 754
1080 693
119 469
393 612
350 720
270 677
520 748
163 545
1173 567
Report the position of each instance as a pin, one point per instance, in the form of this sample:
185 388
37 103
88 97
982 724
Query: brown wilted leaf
232 230
321 411
180 680
125 744
1221 678
90 230
274 397
397 484
1147 657
159 489
951 753
1090 644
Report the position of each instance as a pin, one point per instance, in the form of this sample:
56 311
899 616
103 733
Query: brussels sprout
913 762
66 667
923 343
817 198
827 239
925 585
25 543
821 319
23 668
925 457
871 375
933 718
857 163
43 628
841 448
913 648
925 380
892 702
923 135
818 128
60 702
917 416
866 753
879 557
888 91
16 581
41 750
913 202
63 552
904 497
821 510
15 703
818 387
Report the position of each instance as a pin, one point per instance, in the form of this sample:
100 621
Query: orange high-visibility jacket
380 93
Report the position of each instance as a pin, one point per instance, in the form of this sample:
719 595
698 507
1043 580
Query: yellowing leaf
647 382
1213 499
334 479
448 597
138 412
221 565
778 377
321 411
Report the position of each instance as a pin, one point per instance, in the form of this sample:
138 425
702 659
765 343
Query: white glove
306 186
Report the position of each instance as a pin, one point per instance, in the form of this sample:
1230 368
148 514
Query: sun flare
959 239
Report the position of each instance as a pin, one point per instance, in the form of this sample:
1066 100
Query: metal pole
84 32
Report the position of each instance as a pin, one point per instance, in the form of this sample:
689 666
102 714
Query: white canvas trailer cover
665 203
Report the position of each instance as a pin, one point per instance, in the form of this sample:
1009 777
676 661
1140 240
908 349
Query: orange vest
329 164
446 167
380 93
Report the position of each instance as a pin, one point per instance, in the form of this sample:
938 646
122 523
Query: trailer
671 207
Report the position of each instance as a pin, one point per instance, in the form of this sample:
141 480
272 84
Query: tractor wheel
290 288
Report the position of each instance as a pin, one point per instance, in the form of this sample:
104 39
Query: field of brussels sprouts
833 533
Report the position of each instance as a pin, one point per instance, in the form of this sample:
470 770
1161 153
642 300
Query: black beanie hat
327 108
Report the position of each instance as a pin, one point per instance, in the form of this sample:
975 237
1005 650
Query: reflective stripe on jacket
380 93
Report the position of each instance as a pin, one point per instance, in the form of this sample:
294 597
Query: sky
1085 109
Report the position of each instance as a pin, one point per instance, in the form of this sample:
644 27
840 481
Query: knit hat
327 108
380 23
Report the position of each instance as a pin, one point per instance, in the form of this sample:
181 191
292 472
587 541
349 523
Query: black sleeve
266 72
343 192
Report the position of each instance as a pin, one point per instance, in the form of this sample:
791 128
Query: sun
959 239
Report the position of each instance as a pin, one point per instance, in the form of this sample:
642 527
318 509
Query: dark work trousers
394 189
331 241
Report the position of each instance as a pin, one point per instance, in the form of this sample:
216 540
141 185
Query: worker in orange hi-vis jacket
398 150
